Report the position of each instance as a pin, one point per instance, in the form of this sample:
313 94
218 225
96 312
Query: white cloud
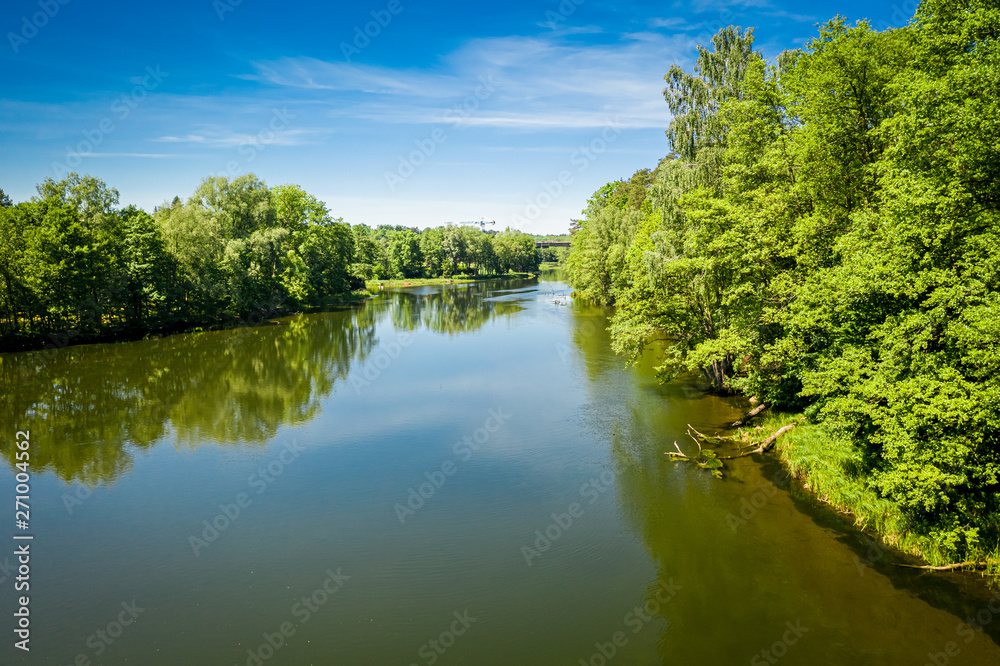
226 139
518 83
190 138
728 5
156 156
673 22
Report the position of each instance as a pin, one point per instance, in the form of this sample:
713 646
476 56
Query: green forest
75 266
824 235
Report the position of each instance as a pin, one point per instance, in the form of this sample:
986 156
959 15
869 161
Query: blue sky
391 111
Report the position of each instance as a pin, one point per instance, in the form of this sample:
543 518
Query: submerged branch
951 567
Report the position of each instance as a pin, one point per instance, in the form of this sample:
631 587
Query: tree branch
752 413
949 567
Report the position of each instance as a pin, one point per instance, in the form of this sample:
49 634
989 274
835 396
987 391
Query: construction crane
479 223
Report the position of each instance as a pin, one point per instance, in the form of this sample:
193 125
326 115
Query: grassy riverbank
827 465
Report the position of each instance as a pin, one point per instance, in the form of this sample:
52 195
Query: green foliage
150 293
404 254
87 195
432 249
826 236
515 251
74 267
239 206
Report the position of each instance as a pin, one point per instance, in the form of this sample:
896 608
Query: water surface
462 474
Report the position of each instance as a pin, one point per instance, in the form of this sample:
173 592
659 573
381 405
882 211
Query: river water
463 474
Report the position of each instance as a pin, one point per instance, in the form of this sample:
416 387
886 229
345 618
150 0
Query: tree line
75 266
824 234
398 252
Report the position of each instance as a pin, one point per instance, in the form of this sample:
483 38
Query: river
457 474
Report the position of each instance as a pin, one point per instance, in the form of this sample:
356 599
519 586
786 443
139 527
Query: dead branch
752 413
692 430
698 437
767 443
949 567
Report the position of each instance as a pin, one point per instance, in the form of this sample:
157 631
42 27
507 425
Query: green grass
830 467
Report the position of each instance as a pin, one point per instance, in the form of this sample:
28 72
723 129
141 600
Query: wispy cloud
536 83
190 138
781 13
155 156
558 30
727 5
314 74
291 137
675 22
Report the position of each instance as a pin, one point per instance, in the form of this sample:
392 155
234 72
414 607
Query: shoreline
70 338
816 459
373 285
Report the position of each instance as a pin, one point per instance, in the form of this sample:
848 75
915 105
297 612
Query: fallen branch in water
698 437
706 459
949 567
761 448
679 452
769 442
753 412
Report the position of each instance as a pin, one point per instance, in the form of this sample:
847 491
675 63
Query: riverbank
72 336
830 468
373 285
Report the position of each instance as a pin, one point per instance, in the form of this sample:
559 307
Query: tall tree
239 206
